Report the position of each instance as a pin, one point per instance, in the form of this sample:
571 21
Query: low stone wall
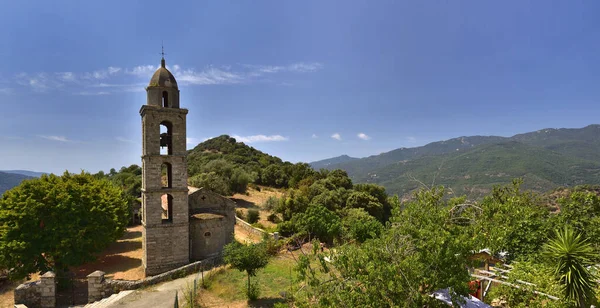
40 293
98 287
257 231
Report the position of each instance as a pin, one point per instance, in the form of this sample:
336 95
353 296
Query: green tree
424 250
212 181
248 258
363 200
55 222
571 255
319 222
581 211
360 226
512 221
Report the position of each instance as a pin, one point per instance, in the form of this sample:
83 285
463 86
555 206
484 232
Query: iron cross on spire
162 53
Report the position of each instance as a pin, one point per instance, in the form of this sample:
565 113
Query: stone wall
208 234
40 293
248 227
99 287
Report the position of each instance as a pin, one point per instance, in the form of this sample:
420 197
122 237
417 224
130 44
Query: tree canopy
55 222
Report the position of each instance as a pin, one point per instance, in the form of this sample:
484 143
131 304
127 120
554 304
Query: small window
165 99
207 234
166 178
167 208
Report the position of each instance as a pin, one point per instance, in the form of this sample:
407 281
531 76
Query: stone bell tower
165 213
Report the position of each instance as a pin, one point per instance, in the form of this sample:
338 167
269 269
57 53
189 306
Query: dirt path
121 260
244 236
163 295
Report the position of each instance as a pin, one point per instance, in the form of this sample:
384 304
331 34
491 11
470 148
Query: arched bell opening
166 138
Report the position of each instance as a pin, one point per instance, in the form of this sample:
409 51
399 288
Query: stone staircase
106 302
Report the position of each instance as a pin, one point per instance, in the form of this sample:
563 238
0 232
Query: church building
180 224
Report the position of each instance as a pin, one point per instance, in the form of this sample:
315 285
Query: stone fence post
48 290
95 286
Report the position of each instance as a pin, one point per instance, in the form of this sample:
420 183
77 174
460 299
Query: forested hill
227 166
332 161
546 158
10 180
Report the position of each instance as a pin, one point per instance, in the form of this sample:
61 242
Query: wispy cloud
363 136
55 138
411 139
260 138
305 67
209 76
314 136
142 70
125 140
5 90
336 136
116 79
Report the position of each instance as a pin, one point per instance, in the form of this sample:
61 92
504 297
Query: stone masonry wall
99 287
40 293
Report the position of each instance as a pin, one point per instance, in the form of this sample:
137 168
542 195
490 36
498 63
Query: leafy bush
253 291
55 222
240 214
360 226
273 247
252 216
273 218
270 203
249 259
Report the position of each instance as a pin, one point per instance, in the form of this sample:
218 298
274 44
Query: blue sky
288 76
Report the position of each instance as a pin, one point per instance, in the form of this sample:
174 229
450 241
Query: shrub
273 218
253 291
273 246
252 216
271 203
240 214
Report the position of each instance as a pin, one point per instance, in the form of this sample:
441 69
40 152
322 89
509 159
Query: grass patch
230 285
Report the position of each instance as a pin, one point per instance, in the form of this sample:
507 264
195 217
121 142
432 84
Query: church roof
162 77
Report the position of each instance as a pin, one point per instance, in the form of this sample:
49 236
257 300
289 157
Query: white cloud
55 138
305 67
336 136
259 138
314 136
411 139
5 90
209 76
113 70
112 77
363 136
66 76
142 70
123 139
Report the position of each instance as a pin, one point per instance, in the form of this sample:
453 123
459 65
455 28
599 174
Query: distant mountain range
546 159
332 161
25 172
12 178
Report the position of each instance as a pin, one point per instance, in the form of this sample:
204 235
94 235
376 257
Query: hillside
222 161
10 180
34 174
332 161
547 158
